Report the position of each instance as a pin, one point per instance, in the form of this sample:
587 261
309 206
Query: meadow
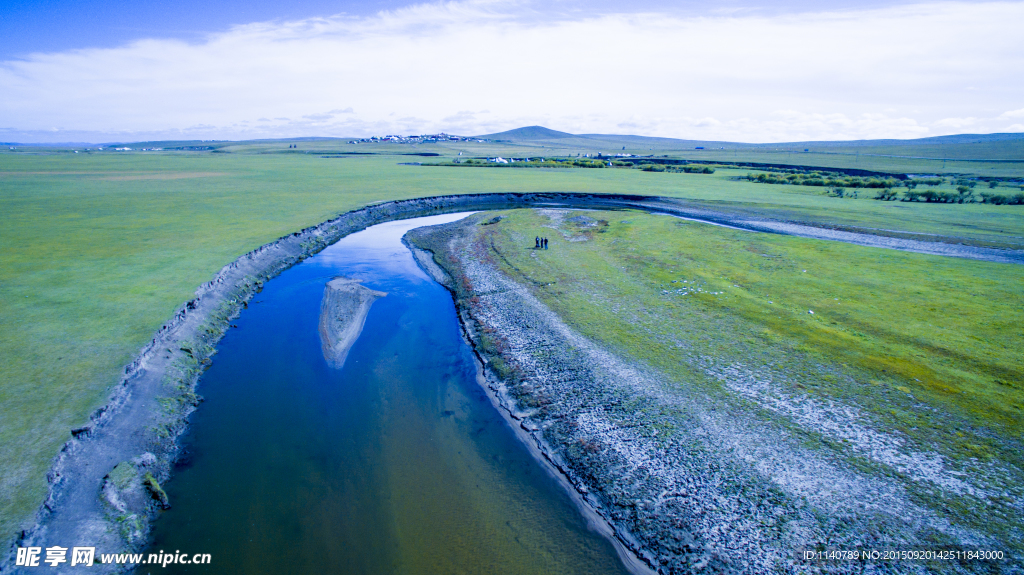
873 359
876 360
998 156
98 249
944 331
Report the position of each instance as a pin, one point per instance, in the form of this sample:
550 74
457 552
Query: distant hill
529 133
952 139
663 143
969 147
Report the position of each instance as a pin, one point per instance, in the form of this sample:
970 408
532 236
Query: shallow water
396 463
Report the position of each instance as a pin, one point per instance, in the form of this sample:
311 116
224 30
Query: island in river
343 314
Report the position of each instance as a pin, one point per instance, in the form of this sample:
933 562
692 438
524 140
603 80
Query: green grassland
988 156
949 329
996 156
98 249
925 345
729 190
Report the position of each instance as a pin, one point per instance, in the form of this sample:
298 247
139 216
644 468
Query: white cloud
1013 114
894 72
706 123
956 123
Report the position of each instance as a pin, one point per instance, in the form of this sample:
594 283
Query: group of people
541 243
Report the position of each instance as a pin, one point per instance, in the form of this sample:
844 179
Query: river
395 463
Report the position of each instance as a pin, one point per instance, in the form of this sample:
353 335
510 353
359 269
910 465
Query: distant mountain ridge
540 133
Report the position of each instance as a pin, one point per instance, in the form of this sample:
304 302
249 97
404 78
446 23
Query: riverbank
729 465
137 430
489 379
148 410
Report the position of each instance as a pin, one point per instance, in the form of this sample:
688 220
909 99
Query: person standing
537 243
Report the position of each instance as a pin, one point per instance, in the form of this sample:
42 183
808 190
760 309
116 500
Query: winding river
395 463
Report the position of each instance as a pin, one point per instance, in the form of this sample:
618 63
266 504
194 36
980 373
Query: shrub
1000 199
966 195
942 197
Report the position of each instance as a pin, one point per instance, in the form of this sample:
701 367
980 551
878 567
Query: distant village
442 137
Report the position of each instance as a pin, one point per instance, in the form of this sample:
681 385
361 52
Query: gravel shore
691 482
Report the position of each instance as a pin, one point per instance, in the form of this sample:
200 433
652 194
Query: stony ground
696 481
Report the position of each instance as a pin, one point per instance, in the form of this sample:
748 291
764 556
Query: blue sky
55 25
733 70
29 26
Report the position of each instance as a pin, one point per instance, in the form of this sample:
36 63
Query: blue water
396 463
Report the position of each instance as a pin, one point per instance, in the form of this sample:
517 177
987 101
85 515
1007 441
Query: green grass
97 250
923 345
882 156
948 330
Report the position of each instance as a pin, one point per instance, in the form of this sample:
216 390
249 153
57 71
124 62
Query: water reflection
396 463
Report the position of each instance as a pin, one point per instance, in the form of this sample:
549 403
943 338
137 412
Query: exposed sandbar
343 312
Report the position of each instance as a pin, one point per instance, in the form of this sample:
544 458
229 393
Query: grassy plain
988 156
926 346
948 329
97 250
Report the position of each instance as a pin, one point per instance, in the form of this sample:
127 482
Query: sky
732 70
